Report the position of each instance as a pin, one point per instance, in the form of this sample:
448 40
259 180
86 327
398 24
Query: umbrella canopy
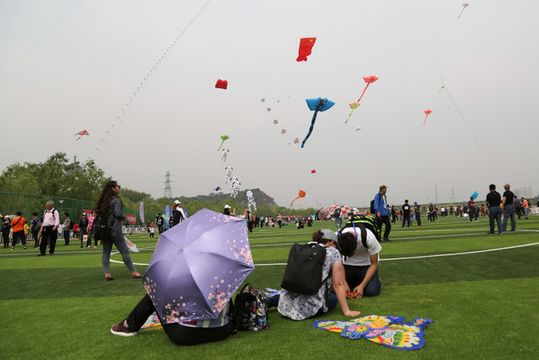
197 266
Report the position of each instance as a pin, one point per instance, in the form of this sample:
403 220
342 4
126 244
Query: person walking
109 207
381 211
417 209
34 229
6 228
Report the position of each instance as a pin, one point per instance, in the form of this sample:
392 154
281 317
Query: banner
132 219
141 212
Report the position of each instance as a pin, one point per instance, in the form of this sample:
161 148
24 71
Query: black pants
180 335
418 218
66 236
406 219
6 240
355 275
384 220
48 234
16 236
35 236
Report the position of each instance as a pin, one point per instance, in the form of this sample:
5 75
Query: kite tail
346 122
301 58
294 199
222 142
363 91
310 128
424 122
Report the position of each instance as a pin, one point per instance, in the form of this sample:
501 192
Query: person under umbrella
195 269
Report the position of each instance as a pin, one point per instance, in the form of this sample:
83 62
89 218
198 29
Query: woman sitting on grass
300 307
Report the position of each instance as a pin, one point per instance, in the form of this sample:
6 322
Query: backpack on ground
303 273
101 228
364 222
250 309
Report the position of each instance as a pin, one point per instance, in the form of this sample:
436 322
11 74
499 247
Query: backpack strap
362 230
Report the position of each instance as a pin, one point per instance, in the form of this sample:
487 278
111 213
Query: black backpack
249 310
364 222
372 207
101 228
303 273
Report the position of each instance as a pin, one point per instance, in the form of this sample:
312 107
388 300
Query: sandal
109 278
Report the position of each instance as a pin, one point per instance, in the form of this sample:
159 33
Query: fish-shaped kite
426 112
305 48
81 134
300 195
369 80
316 105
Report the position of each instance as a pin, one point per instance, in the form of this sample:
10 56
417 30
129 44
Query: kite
474 195
228 173
225 153
464 6
131 245
283 131
221 84
313 171
251 200
235 186
305 48
369 80
316 105
103 141
296 141
389 331
269 109
223 137
81 134
428 113
218 188
275 122
358 128
300 195
262 99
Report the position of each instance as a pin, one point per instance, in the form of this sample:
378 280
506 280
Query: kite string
468 126
155 67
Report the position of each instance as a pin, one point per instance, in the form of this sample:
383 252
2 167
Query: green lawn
483 303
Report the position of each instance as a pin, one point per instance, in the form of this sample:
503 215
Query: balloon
305 48
221 84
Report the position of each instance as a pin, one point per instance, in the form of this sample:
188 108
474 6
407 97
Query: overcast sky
67 66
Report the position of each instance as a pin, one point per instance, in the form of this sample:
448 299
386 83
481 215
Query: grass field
483 303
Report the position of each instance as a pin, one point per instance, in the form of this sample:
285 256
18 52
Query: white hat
177 202
227 206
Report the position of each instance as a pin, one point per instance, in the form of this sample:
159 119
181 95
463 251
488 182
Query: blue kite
316 105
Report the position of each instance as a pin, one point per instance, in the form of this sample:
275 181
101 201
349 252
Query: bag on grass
250 309
102 230
303 273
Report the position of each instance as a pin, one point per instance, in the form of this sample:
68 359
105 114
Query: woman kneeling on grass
300 307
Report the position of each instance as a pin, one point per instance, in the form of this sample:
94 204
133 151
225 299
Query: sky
140 77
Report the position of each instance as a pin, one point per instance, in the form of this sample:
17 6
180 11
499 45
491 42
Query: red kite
221 84
426 112
305 48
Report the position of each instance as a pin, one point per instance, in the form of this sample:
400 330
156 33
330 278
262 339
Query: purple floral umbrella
197 266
